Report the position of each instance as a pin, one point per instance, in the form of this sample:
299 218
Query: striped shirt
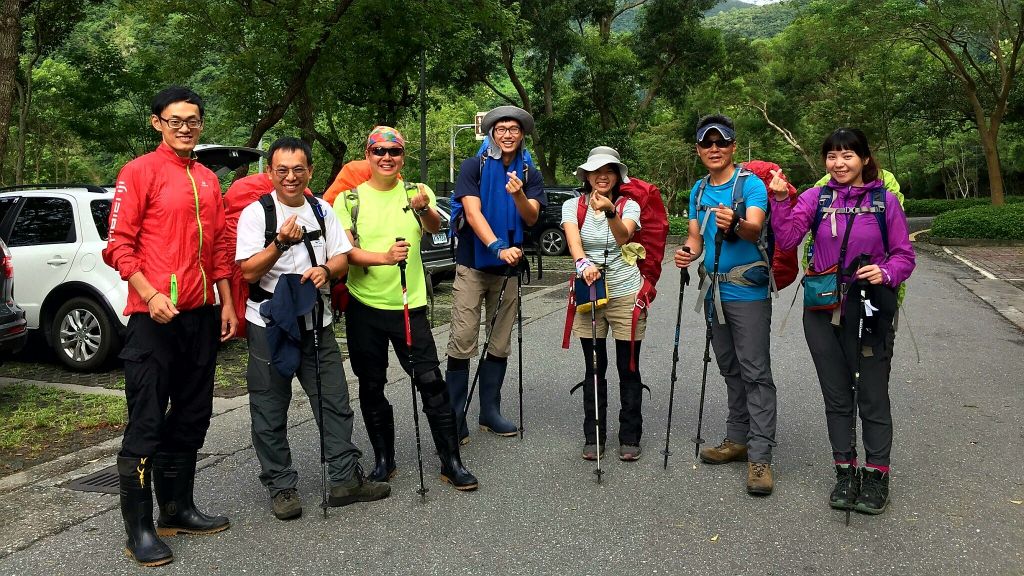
622 279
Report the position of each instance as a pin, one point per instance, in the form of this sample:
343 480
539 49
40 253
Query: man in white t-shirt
309 242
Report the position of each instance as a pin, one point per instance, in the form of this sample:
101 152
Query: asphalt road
956 487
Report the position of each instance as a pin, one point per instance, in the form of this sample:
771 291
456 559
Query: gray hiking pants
269 397
832 349
741 348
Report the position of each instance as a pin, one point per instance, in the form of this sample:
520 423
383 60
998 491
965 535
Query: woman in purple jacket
877 258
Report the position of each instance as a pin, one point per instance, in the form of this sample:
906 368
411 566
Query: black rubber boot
874 491
438 409
143 544
174 477
458 389
847 487
492 376
380 427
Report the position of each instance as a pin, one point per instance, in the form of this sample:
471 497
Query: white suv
56 236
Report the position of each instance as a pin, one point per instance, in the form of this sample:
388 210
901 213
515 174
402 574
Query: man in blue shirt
501 194
740 310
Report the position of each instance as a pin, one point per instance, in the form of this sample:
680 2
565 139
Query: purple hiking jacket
791 224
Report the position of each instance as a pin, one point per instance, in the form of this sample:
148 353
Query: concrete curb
983 242
77 388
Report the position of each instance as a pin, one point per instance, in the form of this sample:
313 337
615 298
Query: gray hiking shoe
629 452
286 504
590 451
358 489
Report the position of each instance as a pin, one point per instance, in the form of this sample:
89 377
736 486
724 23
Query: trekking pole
412 372
862 287
318 321
487 345
684 279
519 320
719 236
593 362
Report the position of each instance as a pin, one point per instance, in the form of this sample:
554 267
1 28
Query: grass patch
982 222
936 206
39 424
678 225
229 380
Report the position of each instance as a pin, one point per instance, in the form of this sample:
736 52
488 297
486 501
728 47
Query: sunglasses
707 144
381 151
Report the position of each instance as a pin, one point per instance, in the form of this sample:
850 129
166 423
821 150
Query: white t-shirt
252 237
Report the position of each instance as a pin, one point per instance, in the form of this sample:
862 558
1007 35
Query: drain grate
104 481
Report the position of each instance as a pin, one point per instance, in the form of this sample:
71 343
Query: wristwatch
609 214
281 245
421 211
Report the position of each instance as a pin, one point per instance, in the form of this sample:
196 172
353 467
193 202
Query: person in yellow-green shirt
375 215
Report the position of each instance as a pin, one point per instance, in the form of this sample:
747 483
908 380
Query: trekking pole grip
684 273
862 261
401 263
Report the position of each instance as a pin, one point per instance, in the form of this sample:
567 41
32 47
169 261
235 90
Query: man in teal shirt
740 310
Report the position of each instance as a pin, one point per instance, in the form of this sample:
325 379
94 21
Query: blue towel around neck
498 207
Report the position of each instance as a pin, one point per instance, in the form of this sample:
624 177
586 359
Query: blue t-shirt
468 184
736 252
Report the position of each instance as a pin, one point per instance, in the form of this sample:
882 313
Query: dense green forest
936 85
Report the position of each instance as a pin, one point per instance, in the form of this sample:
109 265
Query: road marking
977 268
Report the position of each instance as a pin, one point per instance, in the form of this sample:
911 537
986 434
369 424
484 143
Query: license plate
440 239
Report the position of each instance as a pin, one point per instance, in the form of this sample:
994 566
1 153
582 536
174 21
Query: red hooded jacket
167 221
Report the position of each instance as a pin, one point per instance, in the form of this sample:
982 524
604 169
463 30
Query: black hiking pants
173 364
835 355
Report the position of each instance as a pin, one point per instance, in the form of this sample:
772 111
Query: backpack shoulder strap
270 217
697 205
408 202
620 204
826 196
878 203
318 213
700 191
581 210
737 187
351 199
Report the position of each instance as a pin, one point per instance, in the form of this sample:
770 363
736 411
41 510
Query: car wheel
552 242
82 334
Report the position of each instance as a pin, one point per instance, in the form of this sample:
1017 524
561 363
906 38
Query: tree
10 42
978 43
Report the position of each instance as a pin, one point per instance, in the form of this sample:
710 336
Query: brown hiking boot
727 451
759 478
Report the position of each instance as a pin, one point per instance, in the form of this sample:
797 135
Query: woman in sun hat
597 246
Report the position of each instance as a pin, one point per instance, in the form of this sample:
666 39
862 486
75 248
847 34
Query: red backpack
652 235
784 262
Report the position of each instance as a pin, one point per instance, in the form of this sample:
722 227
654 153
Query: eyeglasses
177 123
381 151
282 173
502 130
707 144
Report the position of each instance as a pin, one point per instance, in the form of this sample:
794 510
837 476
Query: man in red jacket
166 239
